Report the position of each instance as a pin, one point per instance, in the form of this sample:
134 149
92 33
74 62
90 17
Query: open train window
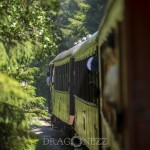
61 77
111 79
86 79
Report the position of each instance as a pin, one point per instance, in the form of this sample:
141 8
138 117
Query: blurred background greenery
32 33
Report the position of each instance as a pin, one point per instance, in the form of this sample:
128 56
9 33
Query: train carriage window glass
83 80
92 66
80 80
64 80
60 81
55 83
86 79
53 74
66 69
89 86
63 70
80 85
65 88
62 74
74 78
56 78
60 78
67 77
77 79
64 77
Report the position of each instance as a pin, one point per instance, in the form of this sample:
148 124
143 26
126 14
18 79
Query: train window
109 73
51 73
93 78
61 77
76 78
55 79
86 80
110 79
67 77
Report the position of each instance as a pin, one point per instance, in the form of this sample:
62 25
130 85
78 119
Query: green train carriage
91 118
86 98
120 119
63 101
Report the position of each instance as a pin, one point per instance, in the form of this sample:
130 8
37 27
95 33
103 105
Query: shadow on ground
51 139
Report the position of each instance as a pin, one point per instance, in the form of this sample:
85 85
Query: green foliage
13 122
3 57
31 31
27 39
78 18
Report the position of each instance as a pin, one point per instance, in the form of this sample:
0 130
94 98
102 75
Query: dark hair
111 40
48 73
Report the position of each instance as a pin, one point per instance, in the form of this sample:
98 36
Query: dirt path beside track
50 139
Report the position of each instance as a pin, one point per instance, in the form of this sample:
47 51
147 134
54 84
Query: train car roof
114 13
67 53
92 41
64 56
52 62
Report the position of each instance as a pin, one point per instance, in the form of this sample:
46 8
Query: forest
32 33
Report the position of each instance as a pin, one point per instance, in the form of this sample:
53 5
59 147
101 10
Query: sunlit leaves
78 18
26 36
3 57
